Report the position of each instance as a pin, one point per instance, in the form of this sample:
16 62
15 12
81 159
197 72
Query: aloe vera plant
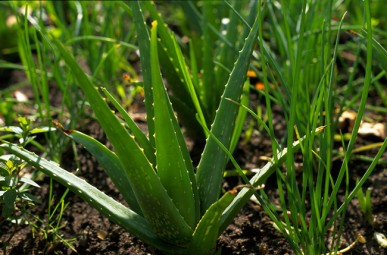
170 206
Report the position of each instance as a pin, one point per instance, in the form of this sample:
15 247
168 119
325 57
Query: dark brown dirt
251 232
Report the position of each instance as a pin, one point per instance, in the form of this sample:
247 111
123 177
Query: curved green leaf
111 164
134 129
207 230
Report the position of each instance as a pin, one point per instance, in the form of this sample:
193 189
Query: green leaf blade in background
226 56
210 170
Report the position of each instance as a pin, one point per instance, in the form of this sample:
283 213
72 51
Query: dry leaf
366 129
381 239
378 130
347 120
20 96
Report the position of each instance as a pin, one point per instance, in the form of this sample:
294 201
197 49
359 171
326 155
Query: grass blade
258 179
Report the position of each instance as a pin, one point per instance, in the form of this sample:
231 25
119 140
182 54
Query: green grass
316 60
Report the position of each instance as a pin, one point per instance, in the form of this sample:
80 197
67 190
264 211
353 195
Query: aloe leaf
143 39
175 65
134 129
177 175
258 179
214 159
207 230
109 207
110 163
226 56
156 205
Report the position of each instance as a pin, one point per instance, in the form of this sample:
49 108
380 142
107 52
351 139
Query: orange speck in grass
353 32
251 73
259 86
126 77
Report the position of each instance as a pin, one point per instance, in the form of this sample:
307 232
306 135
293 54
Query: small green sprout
365 204
15 197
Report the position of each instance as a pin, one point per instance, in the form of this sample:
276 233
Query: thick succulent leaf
175 67
134 129
177 175
209 93
143 39
207 230
156 205
110 163
112 209
214 159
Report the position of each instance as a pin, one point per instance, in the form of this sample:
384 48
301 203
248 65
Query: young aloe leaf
177 175
156 205
214 159
178 68
207 230
110 163
109 207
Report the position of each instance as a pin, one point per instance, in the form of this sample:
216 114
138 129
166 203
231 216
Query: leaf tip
154 23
